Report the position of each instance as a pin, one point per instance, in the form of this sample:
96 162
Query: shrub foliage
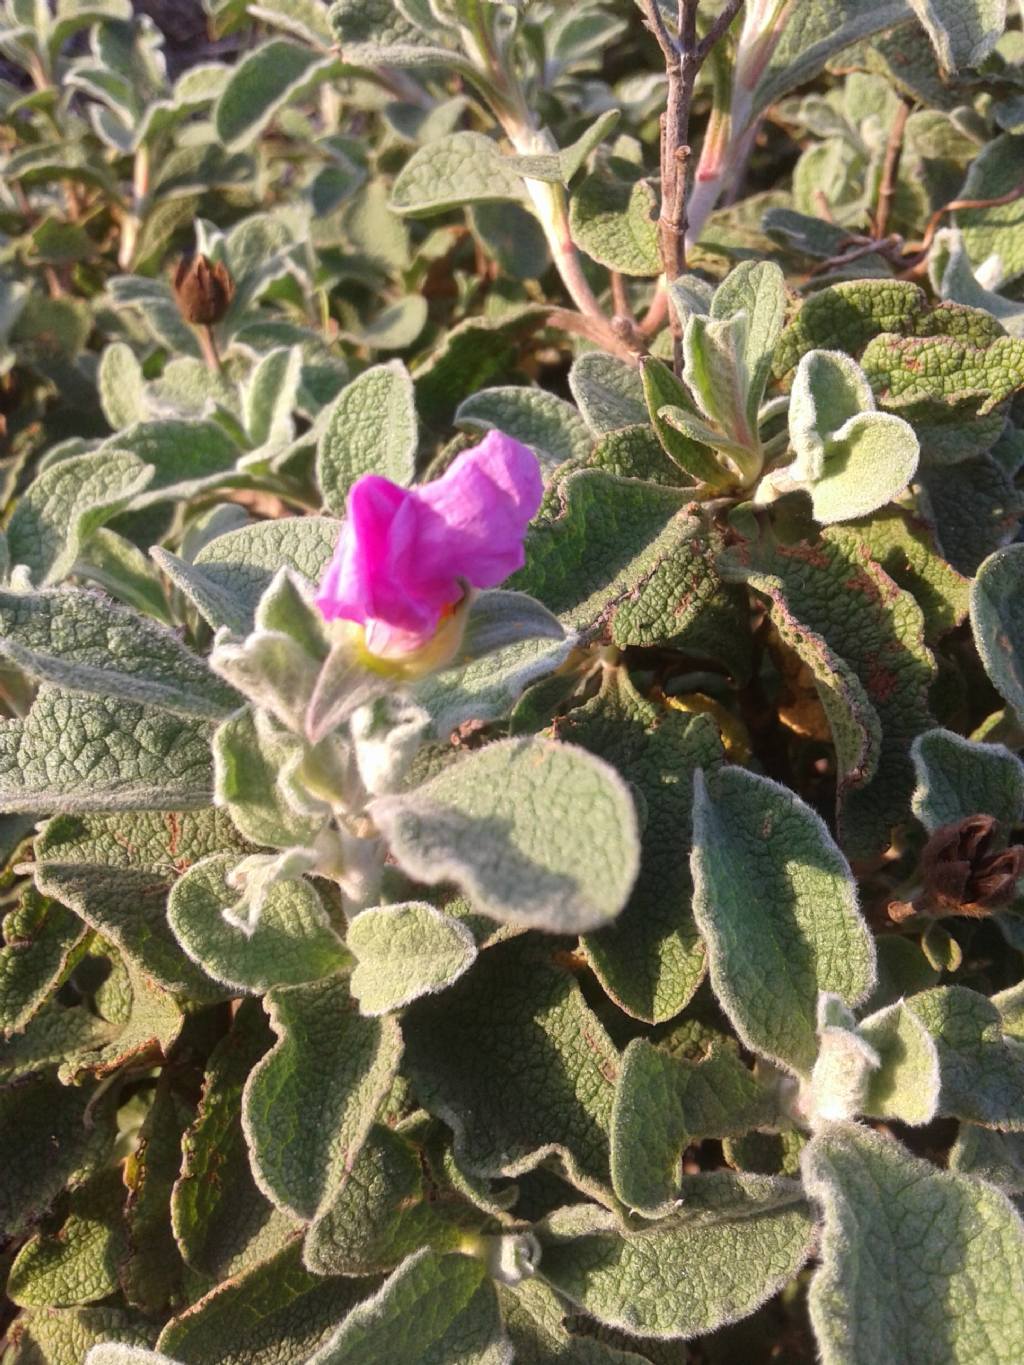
632 972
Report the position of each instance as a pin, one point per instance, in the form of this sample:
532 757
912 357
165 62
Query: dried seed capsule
203 289
964 870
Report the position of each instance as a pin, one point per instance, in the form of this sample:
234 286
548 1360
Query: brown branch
601 332
891 168
654 319
721 25
684 55
620 299
956 205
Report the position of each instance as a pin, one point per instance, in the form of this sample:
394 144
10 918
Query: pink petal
485 501
402 552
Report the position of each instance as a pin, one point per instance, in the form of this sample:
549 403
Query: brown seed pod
965 872
203 290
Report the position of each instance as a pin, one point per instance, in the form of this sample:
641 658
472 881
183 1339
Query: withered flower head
965 872
203 289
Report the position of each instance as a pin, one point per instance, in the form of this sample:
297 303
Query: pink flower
405 554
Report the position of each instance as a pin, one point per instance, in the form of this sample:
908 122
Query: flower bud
203 289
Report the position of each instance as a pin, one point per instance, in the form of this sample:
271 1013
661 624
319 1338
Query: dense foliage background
636 975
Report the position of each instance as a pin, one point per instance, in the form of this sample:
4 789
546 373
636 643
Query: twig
890 168
620 299
654 319
598 330
956 205
911 257
684 55
720 26
824 207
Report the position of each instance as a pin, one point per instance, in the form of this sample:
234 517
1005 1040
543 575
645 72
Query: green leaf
957 778
277 665
308 1105
73 15
607 551
241 565
476 352
45 1142
54 1034
290 942
375 22
846 316
810 37
883 1290
370 429
473 1056
121 569
78 1263
437 1308
560 167
549 425
150 305
268 78
121 386
62 1336
909 372
307 19
188 457
115 871
269 1314
498 619
734 1242
757 290
775 902
461 168
537 833
850 458
268 397
662 1104
382 1212
992 236
974 508
489 687
153 1024
981 1068
665 393
608 392
997 620
652 959
395 327
636 453
222 1222
535 1321
151 1272
82 643
905 1085
995 1157
89 753
612 216
405 951
253 762
111 1353
906 549
59 511
863 640
513 238
962 33
41 939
